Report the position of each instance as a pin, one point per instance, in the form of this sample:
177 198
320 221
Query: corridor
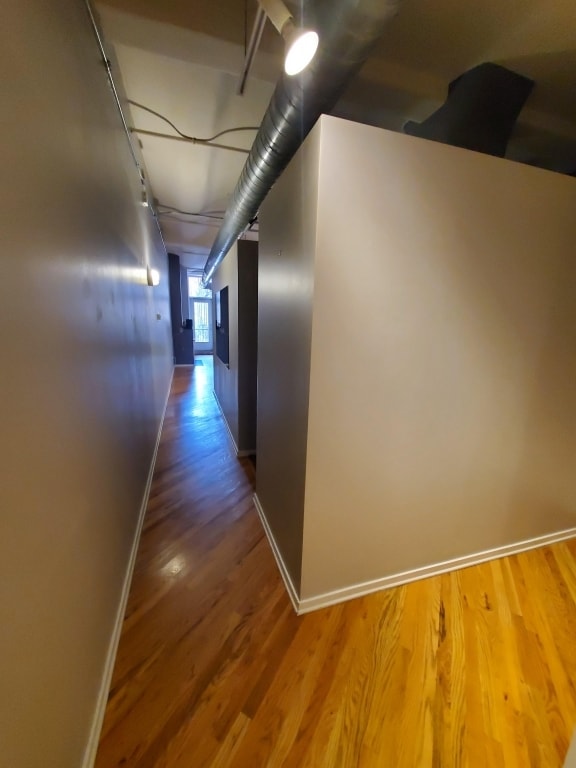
473 668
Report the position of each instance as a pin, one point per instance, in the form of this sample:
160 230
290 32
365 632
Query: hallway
473 668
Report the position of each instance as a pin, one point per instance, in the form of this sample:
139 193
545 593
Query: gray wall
235 383
247 343
226 376
85 371
182 338
285 289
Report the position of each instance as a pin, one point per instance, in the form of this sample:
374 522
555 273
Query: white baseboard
293 595
102 700
228 430
315 602
237 452
307 604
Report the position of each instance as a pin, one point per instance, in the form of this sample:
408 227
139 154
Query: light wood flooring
475 668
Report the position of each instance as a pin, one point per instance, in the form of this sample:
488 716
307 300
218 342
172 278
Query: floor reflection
203 386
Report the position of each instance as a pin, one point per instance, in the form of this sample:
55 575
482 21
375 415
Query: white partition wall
441 421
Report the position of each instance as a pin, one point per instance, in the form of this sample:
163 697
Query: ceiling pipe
348 31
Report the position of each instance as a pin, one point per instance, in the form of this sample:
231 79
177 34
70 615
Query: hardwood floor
474 669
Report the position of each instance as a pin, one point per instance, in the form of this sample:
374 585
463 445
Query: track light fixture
301 43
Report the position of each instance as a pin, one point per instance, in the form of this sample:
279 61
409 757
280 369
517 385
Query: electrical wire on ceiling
212 144
187 213
193 139
209 223
108 68
172 211
128 131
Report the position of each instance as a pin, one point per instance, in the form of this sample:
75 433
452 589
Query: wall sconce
152 276
301 43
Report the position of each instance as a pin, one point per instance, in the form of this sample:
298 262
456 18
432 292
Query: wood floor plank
469 669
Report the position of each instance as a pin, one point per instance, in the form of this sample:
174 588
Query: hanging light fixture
301 43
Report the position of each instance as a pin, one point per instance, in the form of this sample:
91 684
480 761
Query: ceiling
183 58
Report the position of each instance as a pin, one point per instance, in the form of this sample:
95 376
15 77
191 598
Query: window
202 322
200 308
195 290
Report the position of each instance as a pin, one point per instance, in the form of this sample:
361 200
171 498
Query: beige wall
285 293
85 371
442 416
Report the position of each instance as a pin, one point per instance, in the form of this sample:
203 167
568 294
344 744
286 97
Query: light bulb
301 47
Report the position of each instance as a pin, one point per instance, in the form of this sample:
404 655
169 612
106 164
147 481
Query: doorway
200 305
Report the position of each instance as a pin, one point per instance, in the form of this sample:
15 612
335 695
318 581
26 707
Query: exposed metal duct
348 31
480 112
